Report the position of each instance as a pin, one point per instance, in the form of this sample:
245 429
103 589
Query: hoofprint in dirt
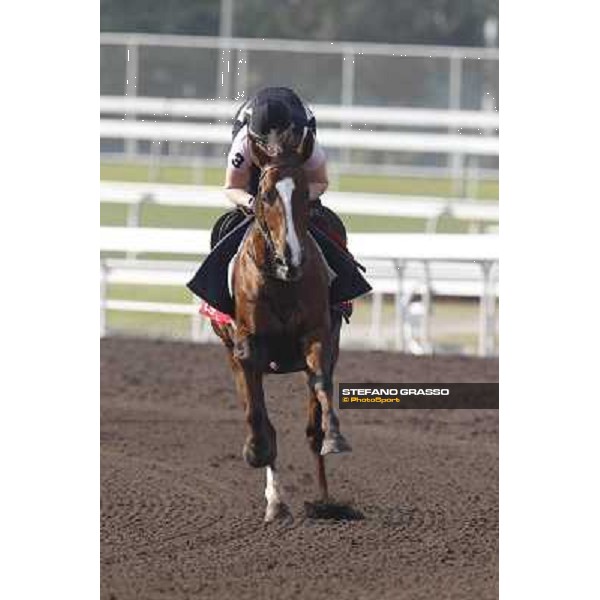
182 512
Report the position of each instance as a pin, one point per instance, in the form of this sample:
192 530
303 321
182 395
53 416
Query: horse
283 322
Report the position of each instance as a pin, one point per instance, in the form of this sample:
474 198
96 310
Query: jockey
275 118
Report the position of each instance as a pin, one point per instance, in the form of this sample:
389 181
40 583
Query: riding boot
227 222
333 227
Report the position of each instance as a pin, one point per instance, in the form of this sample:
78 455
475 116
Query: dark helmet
271 126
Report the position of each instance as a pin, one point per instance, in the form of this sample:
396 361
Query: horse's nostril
294 273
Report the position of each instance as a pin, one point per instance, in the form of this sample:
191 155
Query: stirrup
345 309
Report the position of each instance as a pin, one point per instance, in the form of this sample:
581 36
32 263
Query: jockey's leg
324 219
329 223
212 277
224 224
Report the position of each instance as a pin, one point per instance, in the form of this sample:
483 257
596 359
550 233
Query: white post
472 187
431 224
196 325
134 213
241 81
454 93
205 329
399 304
376 312
226 66
348 73
153 171
131 75
197 168
103 293
425 337
484 311
491 314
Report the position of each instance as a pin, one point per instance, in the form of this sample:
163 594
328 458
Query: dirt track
182 513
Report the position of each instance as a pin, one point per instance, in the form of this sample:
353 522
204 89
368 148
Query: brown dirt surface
182 514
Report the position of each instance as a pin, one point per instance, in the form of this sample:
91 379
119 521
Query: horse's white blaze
286 187
272 491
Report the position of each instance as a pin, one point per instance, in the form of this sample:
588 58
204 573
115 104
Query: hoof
278 511
335 444
258 454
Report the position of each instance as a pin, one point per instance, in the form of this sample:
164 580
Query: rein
262 228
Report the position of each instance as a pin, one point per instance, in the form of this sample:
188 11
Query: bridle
272 254
262 227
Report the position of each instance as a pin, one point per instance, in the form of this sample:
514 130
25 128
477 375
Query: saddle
210 283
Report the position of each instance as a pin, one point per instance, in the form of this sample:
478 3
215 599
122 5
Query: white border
50 375
549 230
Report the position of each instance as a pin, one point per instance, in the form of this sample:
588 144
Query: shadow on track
332 511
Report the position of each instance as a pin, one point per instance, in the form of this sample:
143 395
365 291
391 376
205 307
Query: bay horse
283 322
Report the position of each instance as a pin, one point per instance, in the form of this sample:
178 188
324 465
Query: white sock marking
272 493
286 187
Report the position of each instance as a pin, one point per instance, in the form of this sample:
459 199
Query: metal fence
324 73
341 73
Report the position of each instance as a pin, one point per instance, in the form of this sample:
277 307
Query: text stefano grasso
396 391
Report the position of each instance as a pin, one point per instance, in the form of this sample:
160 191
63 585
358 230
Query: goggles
276 143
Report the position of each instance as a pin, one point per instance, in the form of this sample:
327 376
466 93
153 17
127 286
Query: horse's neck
256 243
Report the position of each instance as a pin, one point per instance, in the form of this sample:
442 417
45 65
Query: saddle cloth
210 283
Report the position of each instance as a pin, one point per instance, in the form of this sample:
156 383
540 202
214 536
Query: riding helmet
271 124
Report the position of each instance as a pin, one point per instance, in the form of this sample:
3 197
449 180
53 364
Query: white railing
325 113
202 133
300 46
430 209
400 264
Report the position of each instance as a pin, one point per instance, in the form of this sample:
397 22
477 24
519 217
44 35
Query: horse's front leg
260 448
320 379
277 509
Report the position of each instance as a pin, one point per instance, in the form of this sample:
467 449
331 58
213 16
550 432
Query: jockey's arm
236 183
318 181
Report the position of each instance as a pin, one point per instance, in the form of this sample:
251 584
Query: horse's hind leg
314 433
318 360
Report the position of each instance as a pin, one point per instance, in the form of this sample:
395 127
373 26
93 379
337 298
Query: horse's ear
258 155
306 146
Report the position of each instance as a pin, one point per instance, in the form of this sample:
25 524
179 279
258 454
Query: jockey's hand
247 209
316 208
